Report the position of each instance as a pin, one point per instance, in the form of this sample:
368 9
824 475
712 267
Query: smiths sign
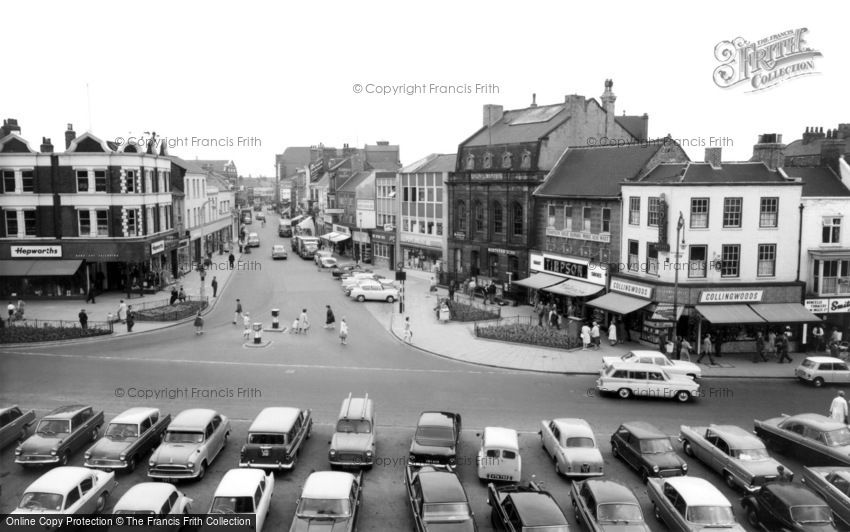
565 267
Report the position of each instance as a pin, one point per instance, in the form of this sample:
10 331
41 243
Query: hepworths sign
36 251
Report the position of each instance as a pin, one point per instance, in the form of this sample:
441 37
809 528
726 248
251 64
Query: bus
305 246
247 216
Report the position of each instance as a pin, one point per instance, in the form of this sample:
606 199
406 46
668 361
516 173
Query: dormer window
488 160
507 160
525 163
470 162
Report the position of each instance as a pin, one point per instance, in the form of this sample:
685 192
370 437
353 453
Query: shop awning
574 288
339 237
664 311
784 313
328 236
618 303
538 281
724 314
54 267
307 225
296 219
15 268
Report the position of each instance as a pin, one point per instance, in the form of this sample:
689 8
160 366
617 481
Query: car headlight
87 455
684 467
52 452
18 451
190 463
122 456
332 452
369 454
655 469
152 463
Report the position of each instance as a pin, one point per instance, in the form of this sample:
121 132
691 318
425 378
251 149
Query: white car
374 291
68 490
192 441
674 367
354 278
322 253
646 380
253 240
691 503
278 252
329 501
821 370
153 498
327 263
244 491
571 444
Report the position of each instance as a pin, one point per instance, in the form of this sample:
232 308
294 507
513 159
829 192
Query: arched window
525 164
460 221
519 226
470 162
507 160
498 218
488 160
478 213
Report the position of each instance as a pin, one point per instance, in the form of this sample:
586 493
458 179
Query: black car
787 506
517 508
436 438
438 500
647 450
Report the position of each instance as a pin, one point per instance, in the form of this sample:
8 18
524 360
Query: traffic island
252 345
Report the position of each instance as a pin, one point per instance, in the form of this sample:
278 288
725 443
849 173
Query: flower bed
20 334
523 333
175 312
463 312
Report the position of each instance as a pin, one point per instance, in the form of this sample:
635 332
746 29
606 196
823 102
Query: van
498 458
275 438
284 228
353 442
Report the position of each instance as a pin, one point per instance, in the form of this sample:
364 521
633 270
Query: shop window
8 181
27 181
699 213
606 220
769 212
586 219
498 218
652 258
519 225
634 257
831 230
84 223
697 256
478 210
634 210
29 223
100 180
767 260
82 180
730 260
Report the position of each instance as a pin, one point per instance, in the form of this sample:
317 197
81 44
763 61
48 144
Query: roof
642 429
192 419
575 426
794 494
5 409
521 125
296 155
435 419
596 170
275 418
817 421
351 184
501 437
60 478
608 491
240 482
819 181
798 148
65 412
636 125
145 496
639 366
441 486
135 415
189 166
328 485
435 162
697 491
704 173
736 437
537 509
821 360
382 156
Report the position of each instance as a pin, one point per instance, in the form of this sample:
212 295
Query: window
148 182
479 216
488 160
518 220
130 180
439 228
11 223
606 220
421 193
100 180
767 260
498 218
82 180
652 258
133 222
696 261
102 222
769 212
634 258
699 213
8 181
831 229
461 216
634 210
470 162
84 222
653 211
586 217
551 217
29 223
27 180
732 212
836 277
507 160
525 164
730 260
406 227
568 218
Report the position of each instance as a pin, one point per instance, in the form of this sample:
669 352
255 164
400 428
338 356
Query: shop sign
565 267
460 235
421 240
184 243
365 205
36 251
341 229
841 304
157 247
500 251
817 306
579 235
632 289
730 296
334 211
360 236
383 237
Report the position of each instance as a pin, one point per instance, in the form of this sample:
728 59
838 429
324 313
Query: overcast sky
283 74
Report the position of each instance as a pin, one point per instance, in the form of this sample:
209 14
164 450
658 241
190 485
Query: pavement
452 340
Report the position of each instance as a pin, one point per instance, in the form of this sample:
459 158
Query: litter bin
275 321
258 332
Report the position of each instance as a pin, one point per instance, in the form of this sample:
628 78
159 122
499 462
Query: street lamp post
679 226
359 244
201 267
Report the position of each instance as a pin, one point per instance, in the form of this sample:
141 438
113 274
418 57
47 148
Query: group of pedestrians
591 336
301 324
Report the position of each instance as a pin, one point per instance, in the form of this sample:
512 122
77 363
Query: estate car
373 291
499 458
814 438
192 441
673 367
645 380
823 370
572 445
647 450
330 501
244 491
604 505
275 438
129 437
353 443
690 504
68 490
14 424
279 252
438 500
436 439
60 434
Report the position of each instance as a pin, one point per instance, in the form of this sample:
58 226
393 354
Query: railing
162 302
60 324
507 320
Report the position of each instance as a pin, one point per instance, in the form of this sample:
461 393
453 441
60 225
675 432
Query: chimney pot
713 157
70 135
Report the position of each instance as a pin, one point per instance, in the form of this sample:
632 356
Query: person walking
782 346
84 319
90 295
685 349
130 318
10 309
818 335
472 288
612 332
595 337
585 336
231 259
759 354
553 317
122 311
303 322
214 285
246 326
707 348
838 408
330 320
452 288
408 332
343 331
541 313
433 286
770 345
173 298
237 316
491 294
199 324
181 295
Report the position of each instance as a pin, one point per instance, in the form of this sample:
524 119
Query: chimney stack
831 150
769 150
46 145
10 125
492 114
70 135
608 98
712 157
533 99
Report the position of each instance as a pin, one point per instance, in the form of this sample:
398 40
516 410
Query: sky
242 81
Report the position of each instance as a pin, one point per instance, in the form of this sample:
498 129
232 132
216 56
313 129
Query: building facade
423 234
386 219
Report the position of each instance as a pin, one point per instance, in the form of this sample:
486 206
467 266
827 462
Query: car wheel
686 446
817 383
683 396
753 517
730 480
101 502
131 464
624 393
202 471
361 298
390 299
63 460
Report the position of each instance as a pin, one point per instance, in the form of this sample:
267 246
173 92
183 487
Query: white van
498 458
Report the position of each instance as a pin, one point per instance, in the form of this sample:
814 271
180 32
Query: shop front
336 238
834 311
421 252
577 280
629 302
41 272
383 249
362 246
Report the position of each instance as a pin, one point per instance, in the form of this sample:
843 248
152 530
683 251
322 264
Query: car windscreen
266 439
54 426
231 505
618 512
178 436
656 445
323 508
580 442
41 501
122 431
356 426
809 364
434 435
811 514
837 437
445 511
710 515
750 454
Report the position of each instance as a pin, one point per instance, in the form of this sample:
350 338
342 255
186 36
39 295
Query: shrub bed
175 312
463 312
20 334
528 334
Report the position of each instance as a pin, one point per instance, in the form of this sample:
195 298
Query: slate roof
351 184
383 157
296 155
819 182
517 126
635 125
189 166
797 148
435 162
703 173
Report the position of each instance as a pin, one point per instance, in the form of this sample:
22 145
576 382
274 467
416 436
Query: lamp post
201 267
679 226
359 244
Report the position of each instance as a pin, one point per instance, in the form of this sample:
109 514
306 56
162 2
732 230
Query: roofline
713 184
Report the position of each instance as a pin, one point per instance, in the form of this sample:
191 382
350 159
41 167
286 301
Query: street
180 370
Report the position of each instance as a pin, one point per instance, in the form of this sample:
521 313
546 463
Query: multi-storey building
96 215
386 220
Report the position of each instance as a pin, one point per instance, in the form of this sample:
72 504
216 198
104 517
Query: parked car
260 216
320 254
373 292
275 438
354 441
833 486
572 445
647 450
606 506
437 499
279 252
244 491
68 490
436 439
690 504
655 358
735 453
645 380
327 263
330 501
342 270
377 284
787 506
253 240
818 371
153 498
357 277
14 424
192 441
813 438
518 508
499 458
59 435
129 437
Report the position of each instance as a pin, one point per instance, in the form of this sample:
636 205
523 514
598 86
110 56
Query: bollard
258 332
275 321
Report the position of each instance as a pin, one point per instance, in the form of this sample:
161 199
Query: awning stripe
618 303
784 313
538 281
574 288
724 314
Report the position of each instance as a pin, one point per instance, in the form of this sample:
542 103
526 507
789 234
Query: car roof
145 496
328 485
59 479
537 509
501 438
135 415
642 430
636 366
435 419
192 419
608 491
817 421
356 408
697 491
645 353
822 359
65 412
240 482
793 493
275 419
440 486
575 426
5 409
737 437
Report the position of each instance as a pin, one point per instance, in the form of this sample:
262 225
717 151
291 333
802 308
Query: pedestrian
90 295
670 348
685 349
759 353
770 345
782 348
237 316
214 285
231 259
818 335
662 343
199 324
10 308
491 293
303 321
130 318
707 348
585 337
343 331
84 319
181 295
595 338
294 329
330 319
122 311
541 313
783 475
246 326
408 332
173 298
612 333
553 317
241 246
452 288
433 287
677 347
838 408
472 288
